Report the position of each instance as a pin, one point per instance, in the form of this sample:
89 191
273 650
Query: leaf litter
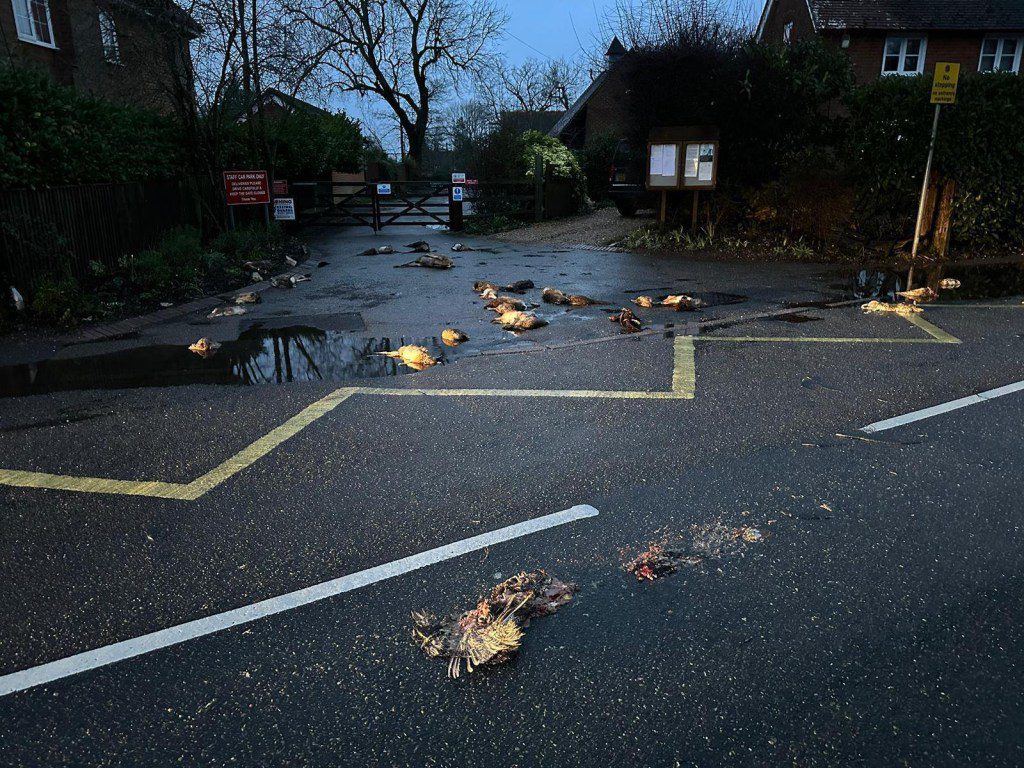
492 632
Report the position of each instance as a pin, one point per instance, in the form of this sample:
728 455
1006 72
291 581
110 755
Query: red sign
280 187
246 187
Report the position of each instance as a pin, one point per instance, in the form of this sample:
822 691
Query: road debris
519 286
502 304
296 279
413 356
461 248
248 298
282 281
17 300
709 541
681 302
453 337
261 265
488 293
629 322
420 246
883 306
204 348
519 321
490 633
381 250
290 261
227 311
430 261
949 284
322 264
919 295
484 285
644 301
257 277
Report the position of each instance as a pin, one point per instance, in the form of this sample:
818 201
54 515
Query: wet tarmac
258 356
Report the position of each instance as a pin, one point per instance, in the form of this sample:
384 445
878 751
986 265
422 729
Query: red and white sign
246 187
280 187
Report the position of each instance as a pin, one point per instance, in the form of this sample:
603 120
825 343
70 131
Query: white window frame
1000 39
108 38
23 19
787 32
903 55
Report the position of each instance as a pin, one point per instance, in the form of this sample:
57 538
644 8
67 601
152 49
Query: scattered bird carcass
519 321
290 261
554 296
949 284
453 337
420 246
644 301
380 250
490 633
413 356
227 311
681 302
17 300
256 277
488 293
248 298
260 265
629 322
204 348
430 261
880 307
919 295
659 560
502 304
519 286
485 285
707 541
462 248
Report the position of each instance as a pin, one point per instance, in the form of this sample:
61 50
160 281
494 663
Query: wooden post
693 213
538 187
924 193
663 216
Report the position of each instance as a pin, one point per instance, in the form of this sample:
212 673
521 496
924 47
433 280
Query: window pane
1005 63
1010 46
910 63
40 20
21 18
913 46
893 45
892 64
988 63
988 48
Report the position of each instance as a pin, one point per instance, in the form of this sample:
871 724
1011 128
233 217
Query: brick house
904 37
600 110
124 51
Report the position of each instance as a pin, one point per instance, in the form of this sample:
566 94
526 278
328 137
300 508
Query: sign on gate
284 208
458 178
383 189
246 187
280 187
457 194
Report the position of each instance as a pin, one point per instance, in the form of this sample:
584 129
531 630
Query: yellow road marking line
684 367
25 479
819 340
932 330
570 393
976 306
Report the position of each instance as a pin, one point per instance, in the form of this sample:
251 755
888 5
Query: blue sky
548 26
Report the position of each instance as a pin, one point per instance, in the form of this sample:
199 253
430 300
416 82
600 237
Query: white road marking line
935 410
164 638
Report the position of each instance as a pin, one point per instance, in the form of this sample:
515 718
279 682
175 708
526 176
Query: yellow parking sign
944 85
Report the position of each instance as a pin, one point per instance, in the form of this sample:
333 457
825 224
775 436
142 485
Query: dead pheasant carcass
579 300
509 303
519 286
453 337
226 312
204 348
682 303
485 285
554 296
430 261
413 356
629 322
885 307
519 321
379 251
919 295
248 298
420 246
490 633
949 284
644 301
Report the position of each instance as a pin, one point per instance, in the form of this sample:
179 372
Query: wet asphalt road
878 622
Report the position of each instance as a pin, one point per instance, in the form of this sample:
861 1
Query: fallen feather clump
629 322
949 284
919 295
453 337
413 356
378 251
227 311
490 633
899 309
430 261
204 348
658 561
519 321
248 298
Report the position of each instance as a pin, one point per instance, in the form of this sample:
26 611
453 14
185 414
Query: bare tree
532 86
402 51
650 23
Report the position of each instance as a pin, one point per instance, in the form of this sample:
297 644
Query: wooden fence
58 231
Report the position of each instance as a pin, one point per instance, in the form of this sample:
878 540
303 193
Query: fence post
538 187
454 211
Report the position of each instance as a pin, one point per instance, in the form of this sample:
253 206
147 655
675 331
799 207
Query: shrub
172 269
60 302
247 243
596 160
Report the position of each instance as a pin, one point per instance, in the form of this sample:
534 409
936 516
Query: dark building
601 109
124 51
904 37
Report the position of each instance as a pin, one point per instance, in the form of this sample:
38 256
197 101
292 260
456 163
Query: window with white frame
108 35
1000 54
787 32
32 20
903 56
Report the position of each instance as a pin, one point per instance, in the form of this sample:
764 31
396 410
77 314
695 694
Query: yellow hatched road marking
683 388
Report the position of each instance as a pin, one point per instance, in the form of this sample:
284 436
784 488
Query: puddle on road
795 318
977 281
258 356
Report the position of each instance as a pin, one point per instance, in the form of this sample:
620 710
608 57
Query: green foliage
59 302
559 163
596 160
172 269
51 135
248 243
311 145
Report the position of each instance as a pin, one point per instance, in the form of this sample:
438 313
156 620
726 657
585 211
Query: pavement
219 574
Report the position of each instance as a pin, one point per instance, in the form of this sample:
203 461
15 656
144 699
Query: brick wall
58 61
784 12
606 109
